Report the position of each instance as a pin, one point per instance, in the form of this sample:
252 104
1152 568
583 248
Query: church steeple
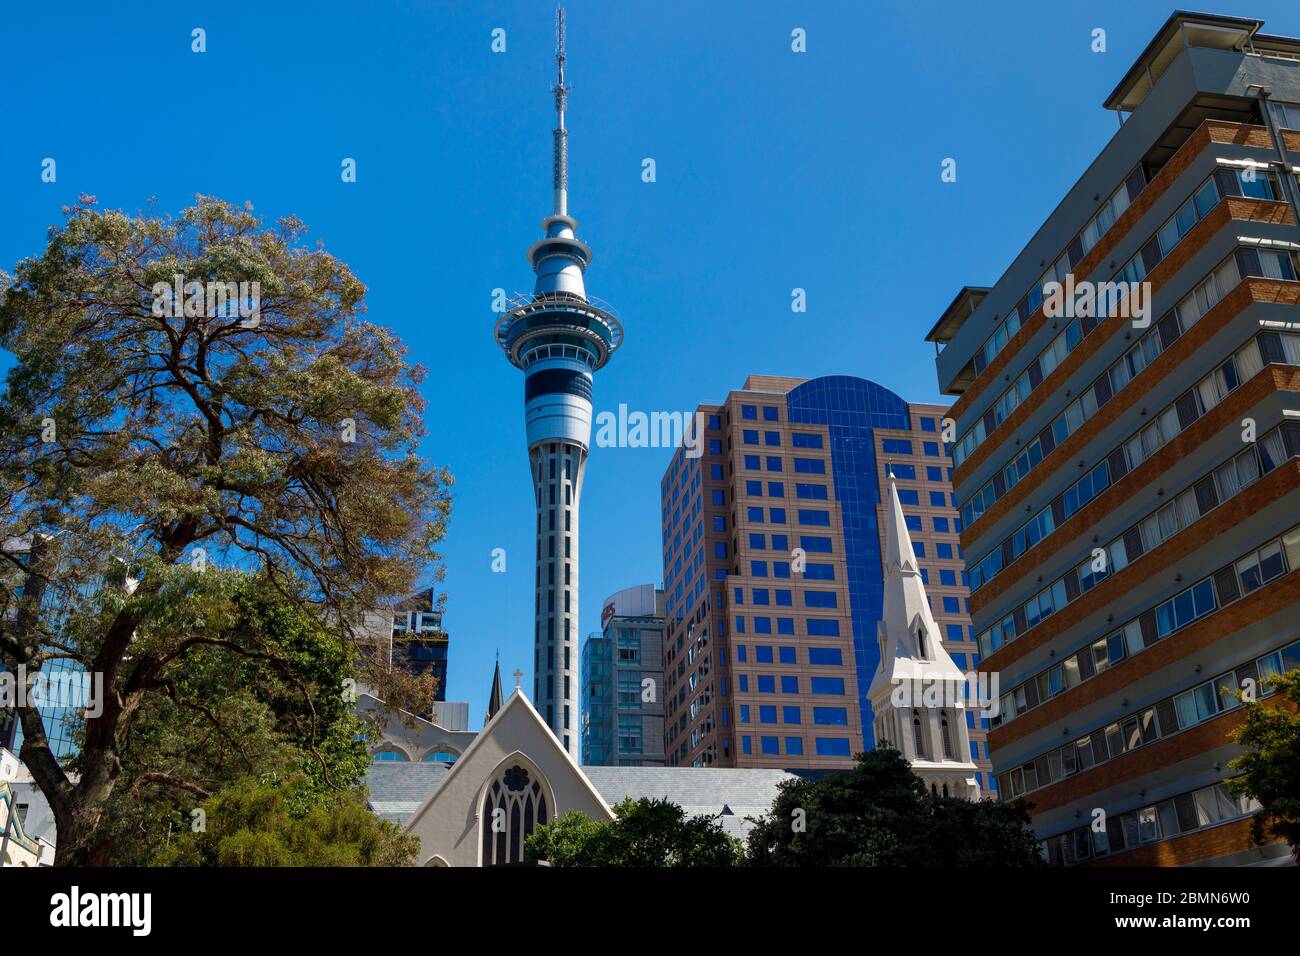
494 695
917 693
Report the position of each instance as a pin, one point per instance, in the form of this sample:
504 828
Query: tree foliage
1270 768
144 446
880 814
274 711
253 823
644 832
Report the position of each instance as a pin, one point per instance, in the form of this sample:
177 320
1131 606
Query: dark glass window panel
1031 694
1226 180
1086 666
1020 621
1133 543
1149 632
1270 348
1225 585
1151 255
1101 390
1166 716
1168 330
1207 497
1075 251
1135 183
1248 263
1118 464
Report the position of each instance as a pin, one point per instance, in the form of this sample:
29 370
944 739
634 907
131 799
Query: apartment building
1127 477
773 578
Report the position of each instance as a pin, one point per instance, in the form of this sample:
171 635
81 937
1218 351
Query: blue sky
775 170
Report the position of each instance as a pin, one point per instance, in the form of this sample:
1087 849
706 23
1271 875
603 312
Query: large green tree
269 712
644 832
880 814
1270 768
143 444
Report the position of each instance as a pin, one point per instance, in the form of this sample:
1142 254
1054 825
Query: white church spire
917 693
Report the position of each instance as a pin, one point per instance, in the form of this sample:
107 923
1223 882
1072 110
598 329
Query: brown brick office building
1130 485
767 665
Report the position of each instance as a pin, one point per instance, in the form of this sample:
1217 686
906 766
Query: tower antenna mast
561 185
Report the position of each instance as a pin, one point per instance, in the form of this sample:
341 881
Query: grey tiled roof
730 794
398 789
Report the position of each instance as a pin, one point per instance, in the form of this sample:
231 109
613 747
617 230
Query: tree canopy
880 814
254 823
644 832
146 442
1270 767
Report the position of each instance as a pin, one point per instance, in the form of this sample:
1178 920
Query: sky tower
559 337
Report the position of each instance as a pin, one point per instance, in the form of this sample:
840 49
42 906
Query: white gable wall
447 823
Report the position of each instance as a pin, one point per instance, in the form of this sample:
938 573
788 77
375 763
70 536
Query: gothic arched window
918 737
513 807
947 737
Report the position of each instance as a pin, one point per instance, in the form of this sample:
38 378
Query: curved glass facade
851 409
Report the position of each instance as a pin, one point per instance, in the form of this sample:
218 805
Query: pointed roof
549 749
906 610
494 695
899 554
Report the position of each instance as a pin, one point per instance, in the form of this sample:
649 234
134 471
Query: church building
515 775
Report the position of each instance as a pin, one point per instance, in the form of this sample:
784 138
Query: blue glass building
852 409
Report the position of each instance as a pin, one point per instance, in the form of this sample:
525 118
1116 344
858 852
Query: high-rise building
622 682
774 585
419 641
559 336
1126 456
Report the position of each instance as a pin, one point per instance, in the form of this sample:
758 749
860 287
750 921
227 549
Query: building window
826 656
832 746
512 808
629 734
827 685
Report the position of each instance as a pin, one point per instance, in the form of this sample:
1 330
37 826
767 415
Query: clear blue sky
775 170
